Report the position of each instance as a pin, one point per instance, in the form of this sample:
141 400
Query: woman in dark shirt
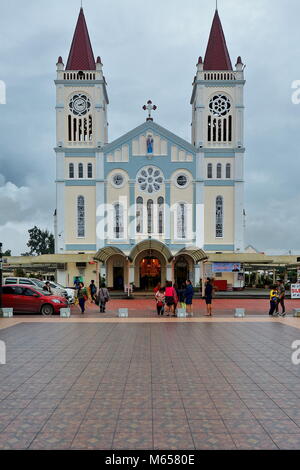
208 297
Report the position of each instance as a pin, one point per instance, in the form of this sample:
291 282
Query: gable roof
146 127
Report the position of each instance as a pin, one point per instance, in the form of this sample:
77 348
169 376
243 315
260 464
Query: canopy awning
148 245
104 254
195 253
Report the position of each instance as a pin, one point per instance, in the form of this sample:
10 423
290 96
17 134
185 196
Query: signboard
226 267
295 291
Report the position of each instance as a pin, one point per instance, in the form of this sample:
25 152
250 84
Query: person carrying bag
102 298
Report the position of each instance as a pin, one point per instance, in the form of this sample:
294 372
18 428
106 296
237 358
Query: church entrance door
150 273
118 276
181 271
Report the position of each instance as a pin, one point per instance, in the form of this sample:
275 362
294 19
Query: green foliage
7 253
41 242
19 272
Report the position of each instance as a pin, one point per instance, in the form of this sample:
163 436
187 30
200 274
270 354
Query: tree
19 272
7 253
41 242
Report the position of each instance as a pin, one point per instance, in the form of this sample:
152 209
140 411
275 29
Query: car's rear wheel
47 310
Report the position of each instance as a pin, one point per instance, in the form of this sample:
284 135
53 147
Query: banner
295 291
226 267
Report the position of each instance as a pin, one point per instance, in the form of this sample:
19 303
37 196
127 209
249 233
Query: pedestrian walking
160 301
102 298
181 296
170 295
93 290
82 296
189 295
281 297
274 297
208 296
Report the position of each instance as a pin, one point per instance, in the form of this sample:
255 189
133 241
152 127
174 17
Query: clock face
80 104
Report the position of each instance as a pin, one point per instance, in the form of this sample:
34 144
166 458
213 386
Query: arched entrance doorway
150 272
181 270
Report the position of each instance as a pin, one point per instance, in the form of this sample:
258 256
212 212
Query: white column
239 216
197 274
60 217
131 273
100 201
169 272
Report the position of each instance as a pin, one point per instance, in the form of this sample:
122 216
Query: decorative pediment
149 140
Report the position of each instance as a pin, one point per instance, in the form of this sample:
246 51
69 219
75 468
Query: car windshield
38 283
42 291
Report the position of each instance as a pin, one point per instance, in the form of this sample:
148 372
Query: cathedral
150 206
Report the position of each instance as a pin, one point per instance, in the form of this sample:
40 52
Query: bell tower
218 135
81 133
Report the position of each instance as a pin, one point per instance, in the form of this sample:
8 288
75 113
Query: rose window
150 179
219 105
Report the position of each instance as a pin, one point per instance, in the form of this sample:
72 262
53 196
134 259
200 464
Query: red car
30 299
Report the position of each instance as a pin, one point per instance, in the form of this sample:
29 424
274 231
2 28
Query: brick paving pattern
149 386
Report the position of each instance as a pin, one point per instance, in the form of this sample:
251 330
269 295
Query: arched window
150 216
209 171
181 220
71 170
139 215
118 221
80 217
219 170
219 217
80 170
160 203
90 170
228 170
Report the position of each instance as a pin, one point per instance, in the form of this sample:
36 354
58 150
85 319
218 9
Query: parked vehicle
70 292
34 282
31 299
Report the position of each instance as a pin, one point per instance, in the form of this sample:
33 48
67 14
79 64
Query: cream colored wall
116 261
181 195
210 195
119 155
179 155
117 195
71 195
85 161
154 197
214 162
88 274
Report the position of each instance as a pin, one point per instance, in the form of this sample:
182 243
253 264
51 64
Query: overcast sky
149 51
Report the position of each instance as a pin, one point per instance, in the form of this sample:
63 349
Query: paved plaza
157 384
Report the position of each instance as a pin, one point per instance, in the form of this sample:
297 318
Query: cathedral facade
150 205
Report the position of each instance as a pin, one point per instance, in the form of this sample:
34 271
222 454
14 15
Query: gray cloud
151 52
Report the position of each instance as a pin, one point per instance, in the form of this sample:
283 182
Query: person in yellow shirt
274 298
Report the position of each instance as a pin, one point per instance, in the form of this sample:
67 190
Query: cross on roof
149 107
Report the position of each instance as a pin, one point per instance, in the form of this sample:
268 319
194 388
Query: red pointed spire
81 55
217 55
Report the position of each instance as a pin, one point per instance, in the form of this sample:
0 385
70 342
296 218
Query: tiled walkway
189 385
144 308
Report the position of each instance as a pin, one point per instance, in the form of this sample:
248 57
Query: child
274 297
160 301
